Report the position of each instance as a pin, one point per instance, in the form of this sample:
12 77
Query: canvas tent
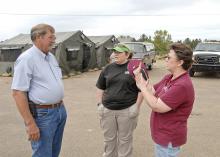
73 50
10 50
104 45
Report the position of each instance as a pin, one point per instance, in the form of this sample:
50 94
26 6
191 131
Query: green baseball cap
121 48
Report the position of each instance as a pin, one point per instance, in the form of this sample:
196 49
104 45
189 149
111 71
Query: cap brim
118 49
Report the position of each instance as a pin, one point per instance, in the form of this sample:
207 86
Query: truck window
214 47
137 48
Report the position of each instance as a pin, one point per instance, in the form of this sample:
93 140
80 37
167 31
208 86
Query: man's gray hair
40 30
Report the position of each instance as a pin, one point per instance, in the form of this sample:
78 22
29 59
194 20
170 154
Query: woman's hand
140 81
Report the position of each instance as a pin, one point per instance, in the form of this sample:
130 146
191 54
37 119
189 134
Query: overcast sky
182 19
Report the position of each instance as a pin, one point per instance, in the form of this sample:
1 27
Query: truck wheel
191 73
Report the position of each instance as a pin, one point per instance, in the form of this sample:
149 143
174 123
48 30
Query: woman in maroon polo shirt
171 101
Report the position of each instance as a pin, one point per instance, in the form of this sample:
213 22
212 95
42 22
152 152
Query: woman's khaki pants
118 127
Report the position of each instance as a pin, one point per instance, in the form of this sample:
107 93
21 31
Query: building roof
99 40
23 39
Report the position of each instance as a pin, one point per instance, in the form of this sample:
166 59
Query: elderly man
38 92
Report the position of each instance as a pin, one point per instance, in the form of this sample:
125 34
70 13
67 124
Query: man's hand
33 131
23 107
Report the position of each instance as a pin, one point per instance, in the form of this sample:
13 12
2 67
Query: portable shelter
73 50
10 50
104 46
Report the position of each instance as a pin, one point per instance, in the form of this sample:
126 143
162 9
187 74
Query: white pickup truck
144 51
206 58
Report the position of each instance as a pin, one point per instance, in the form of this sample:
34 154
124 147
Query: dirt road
83 136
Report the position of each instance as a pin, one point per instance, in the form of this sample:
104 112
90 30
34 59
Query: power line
38 14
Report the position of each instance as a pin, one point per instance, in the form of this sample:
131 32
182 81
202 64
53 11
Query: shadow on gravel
208 75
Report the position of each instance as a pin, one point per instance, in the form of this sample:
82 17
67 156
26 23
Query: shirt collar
183 74
41 53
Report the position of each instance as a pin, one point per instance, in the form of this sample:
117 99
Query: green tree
145 38
195 42
123 38
142 38
192 42
161 41
187 41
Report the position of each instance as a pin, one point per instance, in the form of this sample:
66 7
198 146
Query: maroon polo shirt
171 126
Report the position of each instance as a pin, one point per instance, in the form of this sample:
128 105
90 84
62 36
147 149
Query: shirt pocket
58 71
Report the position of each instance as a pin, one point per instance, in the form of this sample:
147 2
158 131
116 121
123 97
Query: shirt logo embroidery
165 89
126 72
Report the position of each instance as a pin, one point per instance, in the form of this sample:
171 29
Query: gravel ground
83 136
